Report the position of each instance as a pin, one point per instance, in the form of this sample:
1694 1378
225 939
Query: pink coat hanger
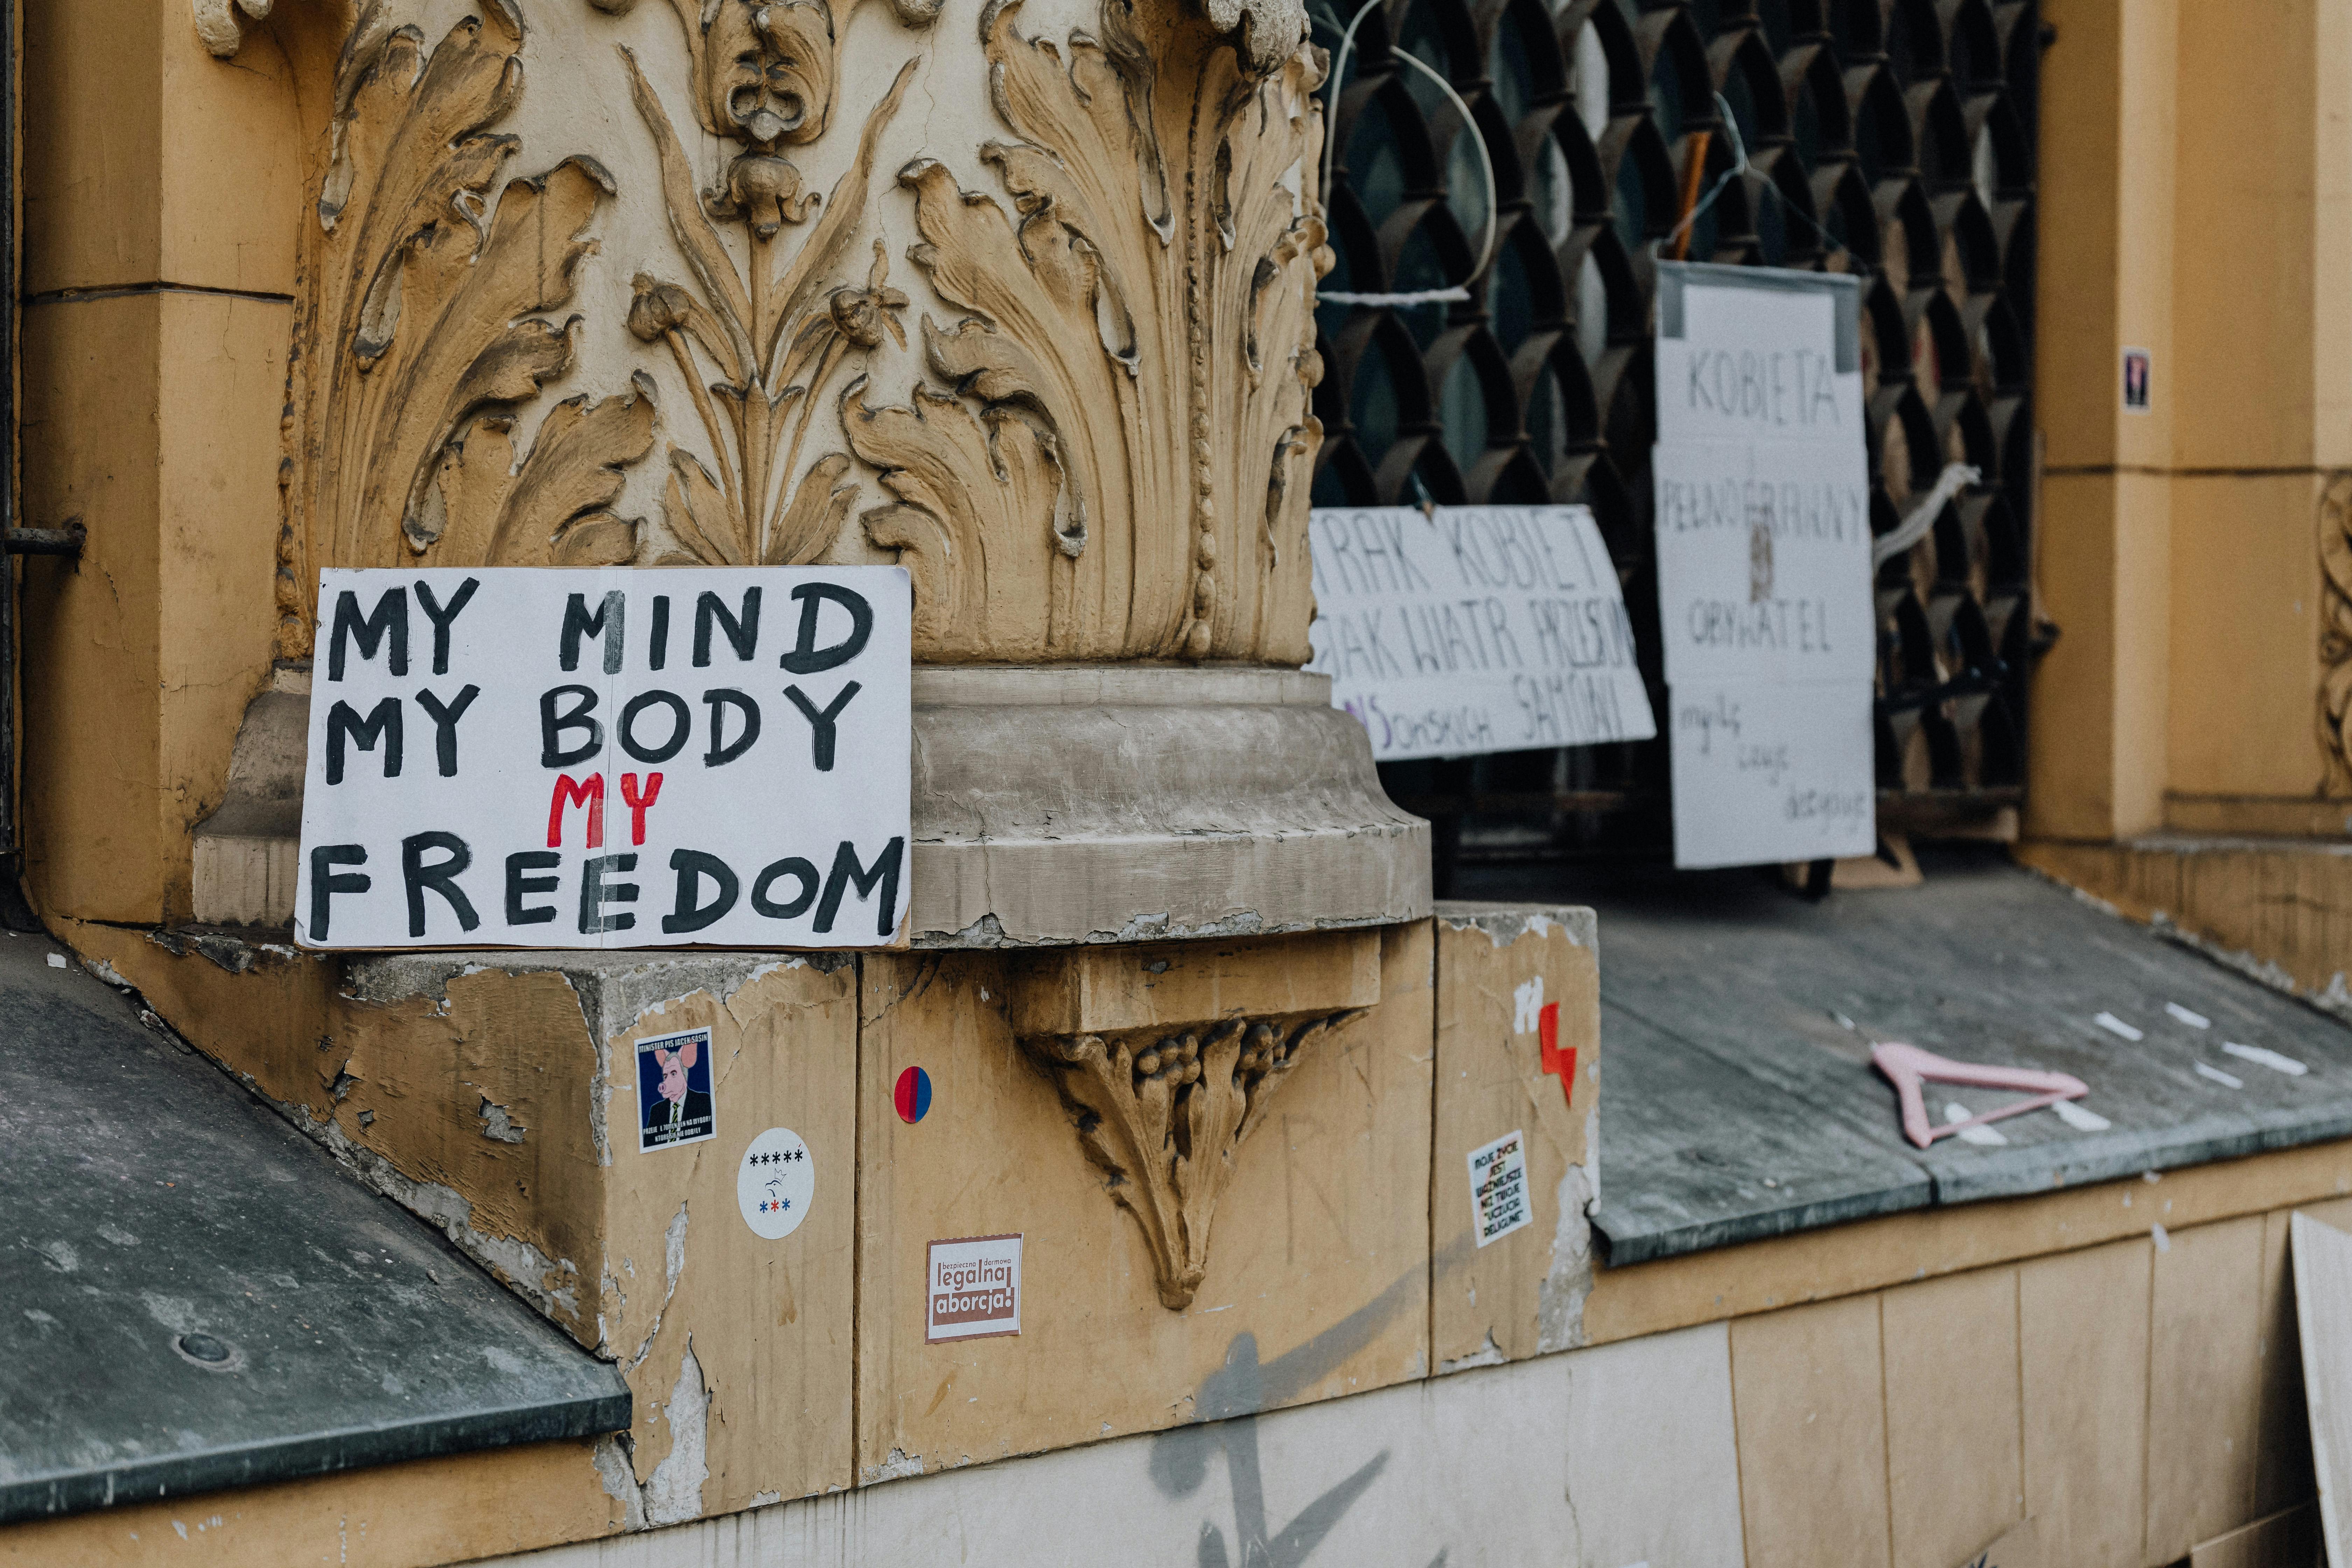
1908 1066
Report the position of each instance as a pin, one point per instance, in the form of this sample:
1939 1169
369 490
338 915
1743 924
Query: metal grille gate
1893 139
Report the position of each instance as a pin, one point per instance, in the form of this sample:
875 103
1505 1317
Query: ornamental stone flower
764 191
863 315
656 310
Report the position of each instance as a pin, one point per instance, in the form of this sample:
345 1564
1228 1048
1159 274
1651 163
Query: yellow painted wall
162 188
2196 200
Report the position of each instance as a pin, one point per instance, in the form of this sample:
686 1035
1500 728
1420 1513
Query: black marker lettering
845 874
596 893
692 865
445 723
607 622
821 726
791 866
390 619
326 881
345 727
806 657
723 750
551 726
441 877
742 631
520 886
442 619
681 726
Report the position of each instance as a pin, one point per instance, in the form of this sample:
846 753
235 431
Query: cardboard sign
974 1288
1479 629
1765 771
1498 1187
1761 485
607 758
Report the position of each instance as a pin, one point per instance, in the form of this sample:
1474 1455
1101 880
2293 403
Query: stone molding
1051 805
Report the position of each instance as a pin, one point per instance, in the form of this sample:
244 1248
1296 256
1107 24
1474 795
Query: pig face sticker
674 1096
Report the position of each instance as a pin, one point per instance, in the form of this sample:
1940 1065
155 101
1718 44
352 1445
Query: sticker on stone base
973 1290
675 1102
775 1184
1498 1187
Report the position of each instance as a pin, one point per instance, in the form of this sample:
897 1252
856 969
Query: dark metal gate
1893 139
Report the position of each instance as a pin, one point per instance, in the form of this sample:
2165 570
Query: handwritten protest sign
1479 629
1763 537
607 758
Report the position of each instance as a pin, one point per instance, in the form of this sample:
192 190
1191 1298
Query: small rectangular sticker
1498 1187
974 1289
675 1104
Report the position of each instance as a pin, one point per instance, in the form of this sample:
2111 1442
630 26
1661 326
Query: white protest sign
607 758
1480 629
1782 766
1761 485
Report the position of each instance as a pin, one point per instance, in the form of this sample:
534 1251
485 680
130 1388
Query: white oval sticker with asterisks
775 1183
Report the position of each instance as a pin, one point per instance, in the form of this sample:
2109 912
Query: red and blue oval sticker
913 1095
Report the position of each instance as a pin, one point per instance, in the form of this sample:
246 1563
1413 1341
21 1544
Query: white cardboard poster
1478 630
1761 485
607 758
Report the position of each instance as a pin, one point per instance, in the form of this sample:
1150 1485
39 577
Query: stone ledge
1051 806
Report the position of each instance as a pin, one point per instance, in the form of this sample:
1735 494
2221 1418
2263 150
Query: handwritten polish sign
1762 520
1478 630
607 758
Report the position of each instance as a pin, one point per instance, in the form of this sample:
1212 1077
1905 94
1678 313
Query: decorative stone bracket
1166 1058
1164 1113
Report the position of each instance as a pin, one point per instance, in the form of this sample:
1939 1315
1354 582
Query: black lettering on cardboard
609 623
444 723
553 725
389 622
440 876
441 618
596 893
791 866
658 646
346 728
520 886
723 750
847 874
821 721
742 631
806 657
326 881
681 726
692 865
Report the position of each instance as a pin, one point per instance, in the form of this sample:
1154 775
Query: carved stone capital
1163 1111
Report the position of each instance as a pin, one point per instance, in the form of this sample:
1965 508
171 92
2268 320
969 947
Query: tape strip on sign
608 758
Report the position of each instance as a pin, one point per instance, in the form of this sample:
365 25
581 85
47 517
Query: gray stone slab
1696 1155
1728 1002
148 1205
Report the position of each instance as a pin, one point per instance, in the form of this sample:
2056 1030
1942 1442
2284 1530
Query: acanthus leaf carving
1162 1113
427 326
776 332
1150 316
2335 714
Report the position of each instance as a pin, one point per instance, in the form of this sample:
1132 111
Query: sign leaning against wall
608 758
1470 629
1761 485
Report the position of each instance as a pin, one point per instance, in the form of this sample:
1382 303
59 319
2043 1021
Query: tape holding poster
608 758
1476 629
1761 485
